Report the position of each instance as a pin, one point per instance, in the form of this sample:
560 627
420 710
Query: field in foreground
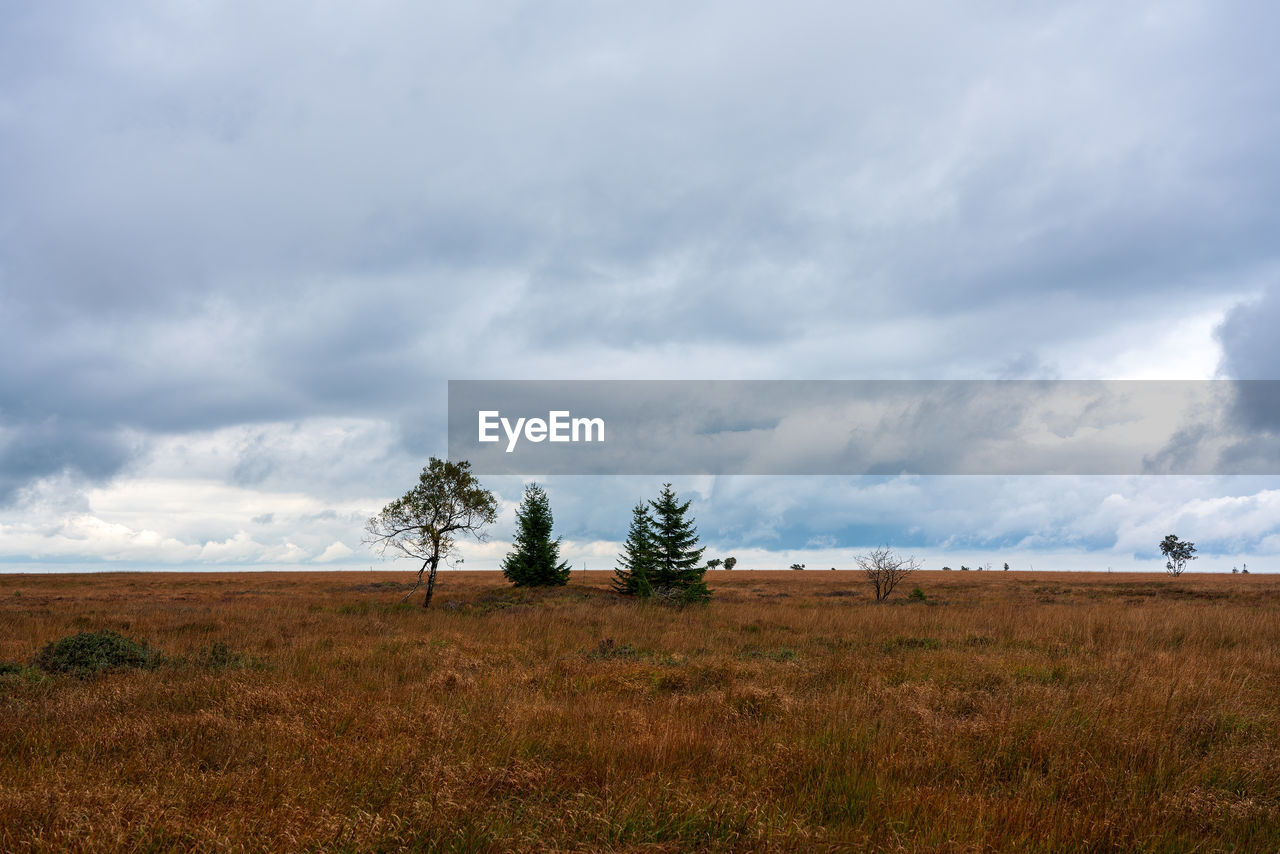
1008 711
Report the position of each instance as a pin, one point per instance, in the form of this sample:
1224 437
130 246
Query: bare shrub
885 569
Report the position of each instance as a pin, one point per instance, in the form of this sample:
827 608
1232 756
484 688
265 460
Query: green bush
917 595
89 653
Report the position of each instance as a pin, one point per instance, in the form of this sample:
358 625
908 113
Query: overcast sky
243 247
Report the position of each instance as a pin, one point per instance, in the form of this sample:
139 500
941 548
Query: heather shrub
90 653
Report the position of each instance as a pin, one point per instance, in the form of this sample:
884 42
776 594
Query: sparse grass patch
901 642
609 648
781 653
219 656
366 607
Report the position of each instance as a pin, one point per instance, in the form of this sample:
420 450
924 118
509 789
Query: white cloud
336 550
160 520
238 549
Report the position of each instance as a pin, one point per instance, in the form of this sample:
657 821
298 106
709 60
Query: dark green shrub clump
89 653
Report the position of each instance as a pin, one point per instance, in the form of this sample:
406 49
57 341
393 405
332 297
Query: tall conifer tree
635 564
535 560
661 556
678 569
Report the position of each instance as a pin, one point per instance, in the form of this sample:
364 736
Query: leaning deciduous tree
1177 553
423 523
885 569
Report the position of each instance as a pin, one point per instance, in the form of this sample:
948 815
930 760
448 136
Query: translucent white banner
857 427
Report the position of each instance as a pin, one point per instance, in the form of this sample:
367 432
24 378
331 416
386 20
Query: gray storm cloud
230 215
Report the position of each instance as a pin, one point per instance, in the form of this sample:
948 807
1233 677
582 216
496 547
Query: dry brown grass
1012 711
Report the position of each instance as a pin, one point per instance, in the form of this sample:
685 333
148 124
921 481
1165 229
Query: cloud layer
242 247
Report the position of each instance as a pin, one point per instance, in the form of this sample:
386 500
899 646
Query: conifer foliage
535 560
661 556
635 564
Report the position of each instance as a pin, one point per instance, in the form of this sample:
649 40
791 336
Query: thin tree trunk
417 584
431 583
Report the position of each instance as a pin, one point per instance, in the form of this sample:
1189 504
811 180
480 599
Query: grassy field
1007 712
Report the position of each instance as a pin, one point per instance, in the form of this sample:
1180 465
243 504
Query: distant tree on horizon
1178 554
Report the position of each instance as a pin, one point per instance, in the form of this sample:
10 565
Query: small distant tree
714 563
885 569
1006 566
797 566
425 522
730 562
1177 554
636 562
535 559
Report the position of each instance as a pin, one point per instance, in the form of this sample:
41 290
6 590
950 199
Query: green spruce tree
677 560
535 561
635 564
